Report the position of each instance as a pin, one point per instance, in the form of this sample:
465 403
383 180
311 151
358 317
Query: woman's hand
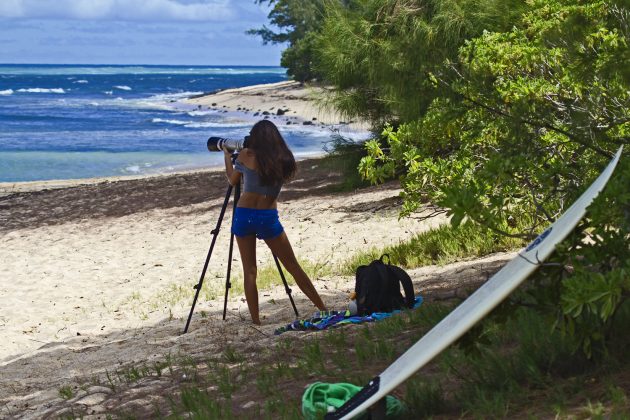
234 177
227 158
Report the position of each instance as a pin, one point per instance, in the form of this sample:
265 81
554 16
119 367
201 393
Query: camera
216 144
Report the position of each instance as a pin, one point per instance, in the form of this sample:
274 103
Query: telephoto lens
217 144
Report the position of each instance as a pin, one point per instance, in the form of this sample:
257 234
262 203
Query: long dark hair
275 161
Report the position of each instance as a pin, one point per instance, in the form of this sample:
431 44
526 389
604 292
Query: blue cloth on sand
327 319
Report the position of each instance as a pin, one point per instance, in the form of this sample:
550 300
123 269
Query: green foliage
298 22
593 295
517 124
344 156
377 52
519 353
298 59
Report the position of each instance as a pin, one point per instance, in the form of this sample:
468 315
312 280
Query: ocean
85 121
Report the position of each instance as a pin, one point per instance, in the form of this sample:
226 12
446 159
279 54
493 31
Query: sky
175 32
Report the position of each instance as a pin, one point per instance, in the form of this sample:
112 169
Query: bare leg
282 249
247 248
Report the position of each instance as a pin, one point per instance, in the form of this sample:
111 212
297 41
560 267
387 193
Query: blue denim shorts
264 223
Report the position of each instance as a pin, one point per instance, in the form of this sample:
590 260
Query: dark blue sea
84 121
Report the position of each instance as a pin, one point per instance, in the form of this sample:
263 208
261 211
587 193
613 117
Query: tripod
215 233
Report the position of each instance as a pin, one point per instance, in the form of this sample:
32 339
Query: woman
264 164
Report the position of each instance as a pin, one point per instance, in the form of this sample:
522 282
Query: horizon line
140 64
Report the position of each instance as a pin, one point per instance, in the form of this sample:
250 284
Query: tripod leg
228 284
215 233
286 285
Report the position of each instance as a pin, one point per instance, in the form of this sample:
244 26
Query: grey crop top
251 182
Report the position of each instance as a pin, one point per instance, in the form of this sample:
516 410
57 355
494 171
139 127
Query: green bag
321 398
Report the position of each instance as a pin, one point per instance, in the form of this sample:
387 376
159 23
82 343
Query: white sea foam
82 81
168 97
166 101
108 92
202 113
123 87
6 92
133 169
217 125
42 90
165 121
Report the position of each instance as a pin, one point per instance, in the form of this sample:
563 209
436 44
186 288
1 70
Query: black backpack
377 288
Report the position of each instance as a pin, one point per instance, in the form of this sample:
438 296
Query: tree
298 22
376 53
520 122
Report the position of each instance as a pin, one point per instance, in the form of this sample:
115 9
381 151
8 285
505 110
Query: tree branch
533 123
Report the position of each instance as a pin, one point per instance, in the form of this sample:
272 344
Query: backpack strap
382 270
403 278
407 285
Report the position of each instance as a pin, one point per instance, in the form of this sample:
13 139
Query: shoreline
298 100
287 102
8 188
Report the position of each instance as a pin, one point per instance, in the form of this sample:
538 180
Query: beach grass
519 371
497 376
66 392
442 245
177 294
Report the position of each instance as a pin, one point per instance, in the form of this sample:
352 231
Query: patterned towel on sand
328 319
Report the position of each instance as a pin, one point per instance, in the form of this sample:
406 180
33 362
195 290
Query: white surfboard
478 305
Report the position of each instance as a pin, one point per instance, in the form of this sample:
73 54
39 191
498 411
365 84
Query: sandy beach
95 274
284 103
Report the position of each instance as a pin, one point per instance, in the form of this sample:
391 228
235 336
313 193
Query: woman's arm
234 177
